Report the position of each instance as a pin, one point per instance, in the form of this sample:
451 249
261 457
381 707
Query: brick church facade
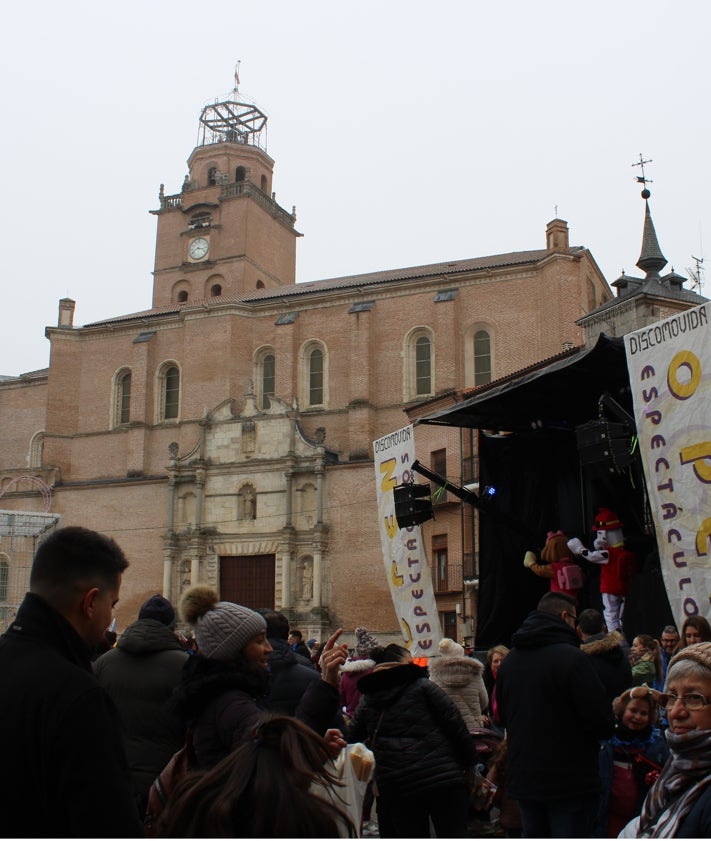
225 434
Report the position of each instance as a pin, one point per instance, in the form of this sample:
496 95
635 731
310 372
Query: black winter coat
555 710
224 701
63 772
610 662
140 675
291 677
422 742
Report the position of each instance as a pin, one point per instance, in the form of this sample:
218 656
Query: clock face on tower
198 248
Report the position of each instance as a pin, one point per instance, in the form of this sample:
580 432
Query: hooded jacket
414 729
140 675
609 661
64 772
351 672
223 701
555 710
291 675
461 678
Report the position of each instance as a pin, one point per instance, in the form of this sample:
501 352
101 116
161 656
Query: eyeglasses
693 701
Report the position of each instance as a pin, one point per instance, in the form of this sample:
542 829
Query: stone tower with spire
641 300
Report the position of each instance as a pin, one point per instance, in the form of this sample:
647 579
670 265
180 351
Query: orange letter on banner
698 453
702 537
387 468
684 359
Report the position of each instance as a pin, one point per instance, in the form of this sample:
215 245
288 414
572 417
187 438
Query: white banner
404 556
670 373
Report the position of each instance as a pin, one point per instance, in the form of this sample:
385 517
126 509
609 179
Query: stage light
413 504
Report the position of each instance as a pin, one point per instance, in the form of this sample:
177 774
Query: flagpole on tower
235 90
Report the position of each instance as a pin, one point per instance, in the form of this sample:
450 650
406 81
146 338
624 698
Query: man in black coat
140 674
606 653
64 772
555 710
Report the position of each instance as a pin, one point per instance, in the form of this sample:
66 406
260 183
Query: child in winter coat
461 678
631 760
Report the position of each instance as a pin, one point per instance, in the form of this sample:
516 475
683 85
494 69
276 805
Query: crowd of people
567 732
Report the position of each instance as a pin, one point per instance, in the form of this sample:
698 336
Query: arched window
122 397
418 372
313 379
182 296
482 357
4 576
169 390
212 175
268 378
423 366
316 377
260 284
264 184
216 290
240 173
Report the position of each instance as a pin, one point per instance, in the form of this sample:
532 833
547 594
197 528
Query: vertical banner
669 364
404 556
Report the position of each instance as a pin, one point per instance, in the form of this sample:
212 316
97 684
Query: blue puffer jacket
416 732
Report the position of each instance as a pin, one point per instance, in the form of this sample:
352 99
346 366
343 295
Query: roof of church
300 290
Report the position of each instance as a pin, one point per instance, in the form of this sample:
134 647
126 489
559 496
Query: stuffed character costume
558 565
618 564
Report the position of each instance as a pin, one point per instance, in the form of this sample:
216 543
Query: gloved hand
529 559
576 546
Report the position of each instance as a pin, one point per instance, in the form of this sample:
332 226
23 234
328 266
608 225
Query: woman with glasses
679 803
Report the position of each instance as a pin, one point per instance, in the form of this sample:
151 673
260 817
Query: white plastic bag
354 767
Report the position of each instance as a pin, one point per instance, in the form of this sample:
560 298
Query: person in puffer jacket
422 748
461 678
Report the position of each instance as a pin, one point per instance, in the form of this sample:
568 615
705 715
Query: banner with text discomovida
404 556
669 365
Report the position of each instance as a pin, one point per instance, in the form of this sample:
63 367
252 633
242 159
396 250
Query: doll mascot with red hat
618 564
558 565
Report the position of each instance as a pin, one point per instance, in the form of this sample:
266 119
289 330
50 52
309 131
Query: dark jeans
573 817
401 816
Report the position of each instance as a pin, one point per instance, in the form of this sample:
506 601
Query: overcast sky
404 132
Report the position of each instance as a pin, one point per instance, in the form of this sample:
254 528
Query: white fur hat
450 648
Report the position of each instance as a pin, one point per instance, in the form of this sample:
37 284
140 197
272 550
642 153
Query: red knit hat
606 519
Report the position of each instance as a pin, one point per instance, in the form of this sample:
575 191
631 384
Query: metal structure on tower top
234 119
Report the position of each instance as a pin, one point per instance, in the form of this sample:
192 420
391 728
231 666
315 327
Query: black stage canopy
529 453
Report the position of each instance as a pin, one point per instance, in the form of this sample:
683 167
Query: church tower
224 234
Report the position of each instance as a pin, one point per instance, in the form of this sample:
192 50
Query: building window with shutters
440 563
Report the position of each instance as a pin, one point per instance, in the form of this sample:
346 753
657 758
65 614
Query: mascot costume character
558 565
618 564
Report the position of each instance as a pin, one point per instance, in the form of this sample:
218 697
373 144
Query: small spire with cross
642 179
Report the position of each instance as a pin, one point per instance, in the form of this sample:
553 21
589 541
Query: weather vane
641 179
236 87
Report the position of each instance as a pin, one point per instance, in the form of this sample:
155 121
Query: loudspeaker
601 441
413 505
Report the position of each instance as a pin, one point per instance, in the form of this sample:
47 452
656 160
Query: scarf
683 778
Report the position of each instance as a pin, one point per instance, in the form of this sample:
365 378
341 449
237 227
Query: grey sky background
404 132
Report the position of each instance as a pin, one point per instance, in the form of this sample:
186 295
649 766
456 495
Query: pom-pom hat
222 629
365 642
449 648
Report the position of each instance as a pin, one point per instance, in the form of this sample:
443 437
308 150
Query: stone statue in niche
306 582
248 501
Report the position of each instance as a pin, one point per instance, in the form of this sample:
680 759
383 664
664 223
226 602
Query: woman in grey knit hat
223 694
678 805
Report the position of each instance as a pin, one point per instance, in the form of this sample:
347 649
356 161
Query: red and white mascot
618 564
